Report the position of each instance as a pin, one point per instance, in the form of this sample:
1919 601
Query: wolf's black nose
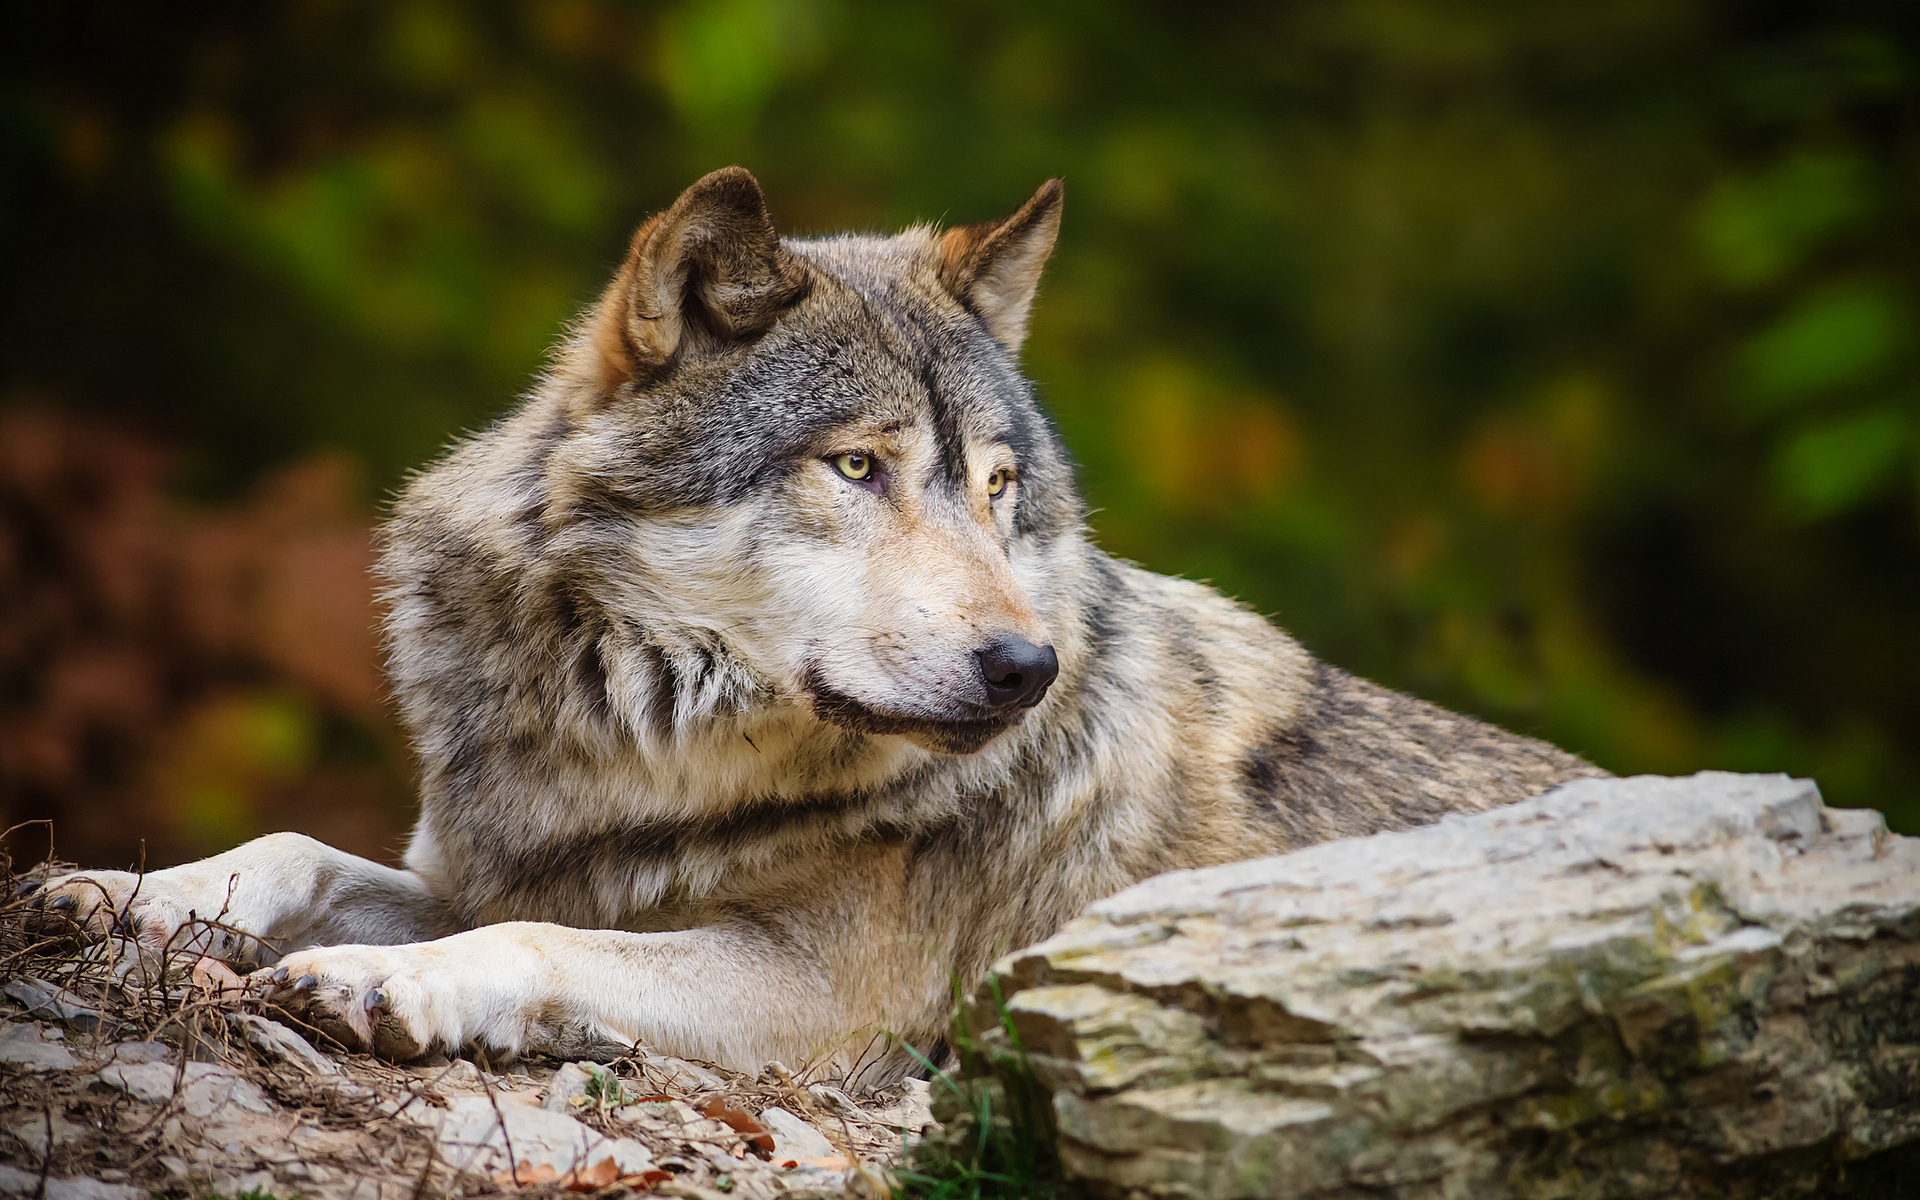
1016 671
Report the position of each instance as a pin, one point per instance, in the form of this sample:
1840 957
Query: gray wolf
764 679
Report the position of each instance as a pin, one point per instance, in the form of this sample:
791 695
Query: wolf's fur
705 760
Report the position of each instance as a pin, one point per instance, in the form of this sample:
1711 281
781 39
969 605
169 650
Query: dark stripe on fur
1359 759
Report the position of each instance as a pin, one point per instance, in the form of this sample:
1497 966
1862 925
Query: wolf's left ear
994 267
704 275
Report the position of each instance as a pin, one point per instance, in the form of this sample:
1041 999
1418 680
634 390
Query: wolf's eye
997 482
854 466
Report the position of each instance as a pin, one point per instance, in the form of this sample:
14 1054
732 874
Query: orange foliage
184 677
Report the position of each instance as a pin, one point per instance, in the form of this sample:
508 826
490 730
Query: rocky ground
122 1080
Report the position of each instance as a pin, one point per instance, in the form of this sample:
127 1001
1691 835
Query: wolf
764 681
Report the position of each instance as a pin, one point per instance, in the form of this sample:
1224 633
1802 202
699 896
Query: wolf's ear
994 267
699 277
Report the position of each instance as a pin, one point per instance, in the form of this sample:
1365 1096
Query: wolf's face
812 472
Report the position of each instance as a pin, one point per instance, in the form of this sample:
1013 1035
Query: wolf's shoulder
1313 751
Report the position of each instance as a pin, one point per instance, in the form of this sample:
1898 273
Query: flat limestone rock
15 1182
280 1044
474 1133
582 1083
46 1000
204 1090
679 1075
794 1139
1634 987
35 1048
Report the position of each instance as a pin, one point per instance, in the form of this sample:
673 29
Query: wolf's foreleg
255 902
734 993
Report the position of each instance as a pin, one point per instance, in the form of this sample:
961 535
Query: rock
252 1183
794 1139
15 1182
30 1046
578 1084
838 1101
670 1074
138 1052
458 1072
45 1000
48 1132
280 1044
204 1089
473 1133
1637 987
913 1112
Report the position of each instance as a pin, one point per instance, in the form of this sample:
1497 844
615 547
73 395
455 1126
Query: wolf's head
811 472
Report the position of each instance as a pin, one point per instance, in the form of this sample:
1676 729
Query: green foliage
1829 468
1553 361
996 1140
1836 338
1755 230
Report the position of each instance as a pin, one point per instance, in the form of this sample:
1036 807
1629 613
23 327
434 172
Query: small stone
570 1085
794 1139
911 1112
280 1045
459 1072
33 1131
15 1182
204 1089
838 1101
139 1052
670 1074
473 1133
45 1000
31 1046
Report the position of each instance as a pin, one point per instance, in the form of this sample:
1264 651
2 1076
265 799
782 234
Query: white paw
165 910
400 1002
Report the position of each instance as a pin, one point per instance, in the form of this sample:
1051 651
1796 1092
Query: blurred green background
1553 361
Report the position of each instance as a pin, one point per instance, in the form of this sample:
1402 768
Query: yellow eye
997 482
854 466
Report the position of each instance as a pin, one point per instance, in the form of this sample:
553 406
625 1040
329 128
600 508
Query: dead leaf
527 1174
741 1121
599 1175
603 1174
216 978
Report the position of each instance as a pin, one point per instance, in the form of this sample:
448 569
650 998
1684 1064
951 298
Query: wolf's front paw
86 904
155 907
363 997
400 1002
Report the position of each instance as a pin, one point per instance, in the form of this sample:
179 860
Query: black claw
123 925
63 904
280 975
27 889
306 983
376 1001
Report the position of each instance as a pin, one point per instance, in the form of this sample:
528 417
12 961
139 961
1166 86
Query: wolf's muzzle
1016 672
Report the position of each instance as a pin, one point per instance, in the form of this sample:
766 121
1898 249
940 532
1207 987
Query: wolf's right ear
994 268
698 278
